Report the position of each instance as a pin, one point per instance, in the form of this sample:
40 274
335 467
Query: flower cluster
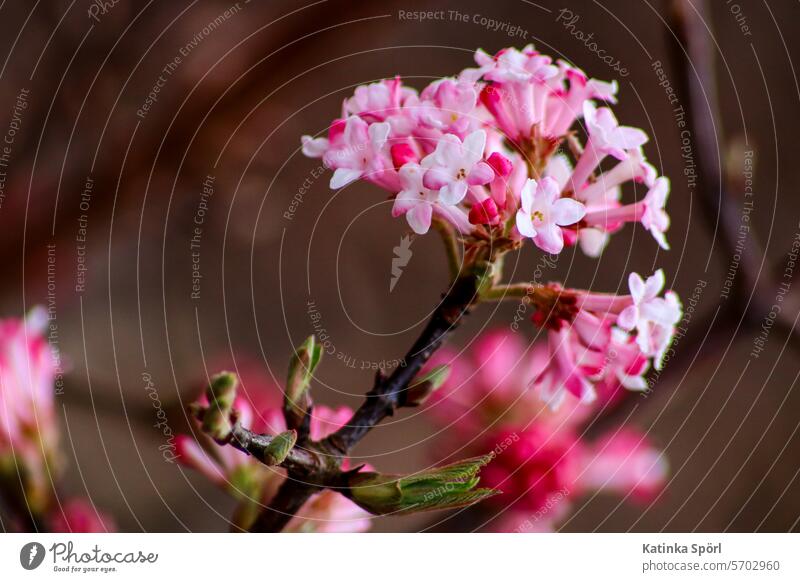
480 151
29 434
542 464
602 339
252 483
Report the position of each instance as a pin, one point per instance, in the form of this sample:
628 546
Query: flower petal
344 176
525 224
636 286
480 174
453 193
549 239
419 218
566 211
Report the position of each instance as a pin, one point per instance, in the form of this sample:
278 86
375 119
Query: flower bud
402 154
301 369
221 393
484 213
445 487
278 448
424 386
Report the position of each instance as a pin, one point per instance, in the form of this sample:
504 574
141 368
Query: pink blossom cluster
602 340
480 151
542 463
250 481
29 434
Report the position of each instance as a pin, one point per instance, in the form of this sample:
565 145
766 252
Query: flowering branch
476 157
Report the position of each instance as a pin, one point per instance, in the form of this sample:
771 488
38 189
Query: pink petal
628 318
567 211
419 218
480 174
549 239
436 178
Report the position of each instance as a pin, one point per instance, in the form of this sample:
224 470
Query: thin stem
450 246
503 292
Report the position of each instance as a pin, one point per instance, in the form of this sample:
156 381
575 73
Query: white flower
543 212
653 317
456 165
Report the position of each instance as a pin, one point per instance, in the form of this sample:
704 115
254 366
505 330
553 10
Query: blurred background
154 198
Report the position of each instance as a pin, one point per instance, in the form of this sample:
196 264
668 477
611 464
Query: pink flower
653 317
79 516
419 204
625 363
28 426
606 137
456 165
571 89
650 212
626 463
654 218
543 212
329 512
447 105
359 152
385 101
533 466
542 463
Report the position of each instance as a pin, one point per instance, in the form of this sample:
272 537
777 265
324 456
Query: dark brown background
276 70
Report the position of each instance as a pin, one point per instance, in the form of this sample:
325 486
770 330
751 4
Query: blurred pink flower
542 463
79 516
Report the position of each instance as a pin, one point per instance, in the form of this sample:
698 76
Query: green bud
424 386
297 400
278 448
221 393
445 487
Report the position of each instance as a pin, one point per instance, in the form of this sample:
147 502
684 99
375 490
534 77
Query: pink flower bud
501 165
402 154
484 213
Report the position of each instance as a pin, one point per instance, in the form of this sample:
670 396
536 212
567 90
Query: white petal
453 193
314 148
379 133
628 318
528 191
593 241
474 145
636 286
344 176
419 218
567 211
525 224
654 284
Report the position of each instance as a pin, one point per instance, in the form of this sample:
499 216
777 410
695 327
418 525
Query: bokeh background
87 158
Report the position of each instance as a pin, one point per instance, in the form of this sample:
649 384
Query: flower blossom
654 318
79 516
596 338
542 463
517 107
455 166
543 213
28 428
